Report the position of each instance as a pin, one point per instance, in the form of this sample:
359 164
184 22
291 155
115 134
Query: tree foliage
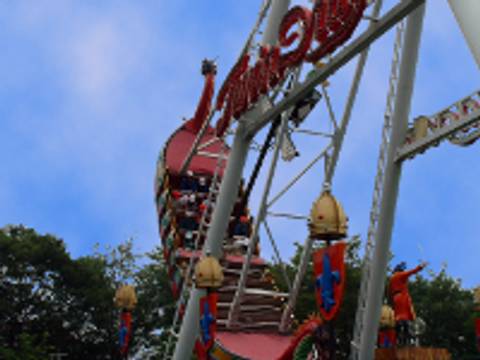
57 301
155 309
448 311
51 303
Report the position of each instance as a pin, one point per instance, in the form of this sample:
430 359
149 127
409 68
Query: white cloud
96 58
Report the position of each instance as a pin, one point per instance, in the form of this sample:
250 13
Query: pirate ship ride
228 307
185 202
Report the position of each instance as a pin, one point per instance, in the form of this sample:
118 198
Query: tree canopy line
51 303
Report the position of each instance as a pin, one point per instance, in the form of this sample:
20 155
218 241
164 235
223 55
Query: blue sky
89 92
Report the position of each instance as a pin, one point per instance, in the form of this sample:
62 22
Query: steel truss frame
254 120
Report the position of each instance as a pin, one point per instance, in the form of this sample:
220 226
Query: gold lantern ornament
208 273
387 318
476 298
420 127
327 218
125 297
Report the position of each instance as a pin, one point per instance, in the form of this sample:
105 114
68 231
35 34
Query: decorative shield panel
329 271
125 331
477 332
208 323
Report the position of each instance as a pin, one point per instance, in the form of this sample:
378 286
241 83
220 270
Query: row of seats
182 203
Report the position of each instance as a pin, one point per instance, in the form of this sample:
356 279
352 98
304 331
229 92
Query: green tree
51 303
29 348
121 262
47 296
448 311
155 309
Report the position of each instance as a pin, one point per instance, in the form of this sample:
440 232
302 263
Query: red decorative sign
329 271
125 331
208 325
328 25
477 332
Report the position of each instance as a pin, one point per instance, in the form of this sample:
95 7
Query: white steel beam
467 13
391 184
277 255
288 216
299 175
352 95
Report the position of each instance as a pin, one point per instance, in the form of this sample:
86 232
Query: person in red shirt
401 300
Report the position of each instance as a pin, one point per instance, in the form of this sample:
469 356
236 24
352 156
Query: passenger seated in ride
189 221
203 206
188 242
192 203
188 183
242 227
182 202
240 246
202 185
176 195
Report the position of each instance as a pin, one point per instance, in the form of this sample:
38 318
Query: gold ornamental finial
387 318
327 218
125 297
208 273
476 296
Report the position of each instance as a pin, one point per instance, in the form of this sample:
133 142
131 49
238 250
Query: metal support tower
377 191
251 123
226 200
337 142
391 184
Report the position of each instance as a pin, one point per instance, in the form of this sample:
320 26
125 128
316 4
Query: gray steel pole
292 299
226 200
392 179
228 193
278 10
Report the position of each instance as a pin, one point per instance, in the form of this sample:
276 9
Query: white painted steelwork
467 13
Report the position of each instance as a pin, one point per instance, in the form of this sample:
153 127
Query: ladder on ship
262 304
187 278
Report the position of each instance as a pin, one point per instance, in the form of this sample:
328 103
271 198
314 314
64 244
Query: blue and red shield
125 331
329 271
477 332
208 324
